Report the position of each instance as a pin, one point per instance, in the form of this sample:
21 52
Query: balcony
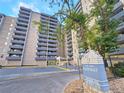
69 38
25 9
13 58
53 26
52 49
40 58
43 36
42 40
53 20
21 28
70 49
16 46
42 48
70 54
119 51
18 41
15 52
19 37
24 12
52 30
121 27
21 23
52 41
118 16
69 45
117 5
121 39
23 20
41 53
42 44
52 33
69 42
52 54
52 45
45 53
24 16
45 18
20 32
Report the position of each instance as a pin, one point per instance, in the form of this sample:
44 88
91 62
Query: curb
62 68
67 85
18 76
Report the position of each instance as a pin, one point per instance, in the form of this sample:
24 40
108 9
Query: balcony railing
41 48
19 37
16 46
119 51
22 23
52 49
117 5
20 32
15 52
121 27
24 20
118 16
13 58
52 41
21 28
121 38
18 41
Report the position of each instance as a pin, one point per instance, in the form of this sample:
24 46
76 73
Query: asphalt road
19 70
49 83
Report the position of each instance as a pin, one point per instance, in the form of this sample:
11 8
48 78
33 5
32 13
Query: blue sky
11 7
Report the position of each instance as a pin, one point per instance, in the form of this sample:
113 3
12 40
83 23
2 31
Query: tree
105 41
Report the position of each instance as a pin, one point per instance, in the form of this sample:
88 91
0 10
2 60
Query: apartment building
118 14
6 31
24 44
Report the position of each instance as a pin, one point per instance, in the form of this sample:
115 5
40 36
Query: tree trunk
105 62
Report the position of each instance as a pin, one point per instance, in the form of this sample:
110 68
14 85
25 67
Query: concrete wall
31 45
5 38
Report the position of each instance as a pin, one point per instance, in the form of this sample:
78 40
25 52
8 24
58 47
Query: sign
94 71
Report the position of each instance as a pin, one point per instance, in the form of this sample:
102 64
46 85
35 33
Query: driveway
48 83
20 70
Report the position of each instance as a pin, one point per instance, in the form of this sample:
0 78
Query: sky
11 7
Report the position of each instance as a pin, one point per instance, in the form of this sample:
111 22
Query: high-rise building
118 14
24 45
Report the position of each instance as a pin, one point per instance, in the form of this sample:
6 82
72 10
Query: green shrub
51 62
118 69
0 67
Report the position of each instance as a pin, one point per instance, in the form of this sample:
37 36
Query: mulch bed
74 87
116 86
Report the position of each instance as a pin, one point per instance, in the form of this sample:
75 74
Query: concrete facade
6 33
22 44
